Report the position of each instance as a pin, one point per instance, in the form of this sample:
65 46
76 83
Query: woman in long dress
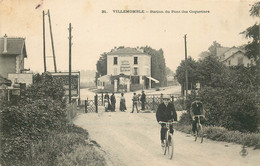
122 103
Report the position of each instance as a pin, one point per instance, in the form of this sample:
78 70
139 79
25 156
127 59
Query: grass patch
222 134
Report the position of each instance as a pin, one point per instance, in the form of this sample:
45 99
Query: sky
95 32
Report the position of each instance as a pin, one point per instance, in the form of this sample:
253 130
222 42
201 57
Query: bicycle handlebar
199 116
162 122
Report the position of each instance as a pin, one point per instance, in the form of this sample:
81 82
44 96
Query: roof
233 55
126 50
15 46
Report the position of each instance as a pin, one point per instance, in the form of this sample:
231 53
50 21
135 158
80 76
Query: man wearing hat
166 112
196 109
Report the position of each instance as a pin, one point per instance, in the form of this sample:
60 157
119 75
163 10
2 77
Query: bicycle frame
168 140
199 130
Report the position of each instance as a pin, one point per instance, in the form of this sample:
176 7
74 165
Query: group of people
166 113
110 102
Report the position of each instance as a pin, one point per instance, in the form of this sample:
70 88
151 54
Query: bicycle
169 144
200 130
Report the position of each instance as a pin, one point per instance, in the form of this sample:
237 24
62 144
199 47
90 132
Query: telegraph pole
44 54
52 44
70 62
186 66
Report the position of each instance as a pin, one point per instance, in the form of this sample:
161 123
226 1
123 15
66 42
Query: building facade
234 56
128 69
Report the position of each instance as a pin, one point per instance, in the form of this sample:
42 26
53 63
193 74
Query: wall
7 65
234 59
126 64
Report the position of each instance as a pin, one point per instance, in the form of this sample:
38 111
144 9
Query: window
135 60
115 60
229 62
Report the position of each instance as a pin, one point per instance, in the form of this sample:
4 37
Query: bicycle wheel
165 150
170 146
196 135
201 133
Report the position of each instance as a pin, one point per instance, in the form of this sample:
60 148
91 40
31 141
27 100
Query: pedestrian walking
122 103
135 101
113 102
143 100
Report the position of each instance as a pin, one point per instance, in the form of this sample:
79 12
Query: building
12 54
234 56
128 69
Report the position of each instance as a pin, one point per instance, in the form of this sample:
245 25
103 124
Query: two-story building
128 69
234 56
12 55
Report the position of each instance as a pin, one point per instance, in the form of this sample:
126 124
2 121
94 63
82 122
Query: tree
158 66
192 72
212 50
253 32
102 64
211 72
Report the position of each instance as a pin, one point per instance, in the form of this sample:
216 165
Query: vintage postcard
126 65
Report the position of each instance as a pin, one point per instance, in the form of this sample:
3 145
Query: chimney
5 44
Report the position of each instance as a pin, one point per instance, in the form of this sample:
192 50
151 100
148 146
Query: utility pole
70 62
44 54
53 51
186 66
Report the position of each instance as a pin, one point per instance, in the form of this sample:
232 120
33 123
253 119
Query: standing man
143 100
166 112
113 102
135 101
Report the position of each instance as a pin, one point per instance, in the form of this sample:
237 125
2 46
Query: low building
234 56
12 54
128 69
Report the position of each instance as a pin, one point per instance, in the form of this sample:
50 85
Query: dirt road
133 140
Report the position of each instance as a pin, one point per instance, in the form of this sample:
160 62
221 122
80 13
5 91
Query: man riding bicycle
166 112
196 109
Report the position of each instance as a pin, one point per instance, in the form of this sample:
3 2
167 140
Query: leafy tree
211 72
158 66
253 47
102 64
213 48
192 67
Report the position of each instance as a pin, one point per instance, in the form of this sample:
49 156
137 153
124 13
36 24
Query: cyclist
196 109
166 112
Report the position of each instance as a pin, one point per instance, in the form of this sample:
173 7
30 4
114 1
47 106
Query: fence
152 101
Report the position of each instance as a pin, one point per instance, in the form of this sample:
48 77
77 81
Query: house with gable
12 55
234 56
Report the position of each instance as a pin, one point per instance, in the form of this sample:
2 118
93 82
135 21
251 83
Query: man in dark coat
143 99
166 112
113 102
196 109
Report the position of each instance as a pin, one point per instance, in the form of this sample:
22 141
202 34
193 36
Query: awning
153 79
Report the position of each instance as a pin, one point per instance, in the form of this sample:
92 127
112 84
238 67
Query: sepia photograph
129 82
